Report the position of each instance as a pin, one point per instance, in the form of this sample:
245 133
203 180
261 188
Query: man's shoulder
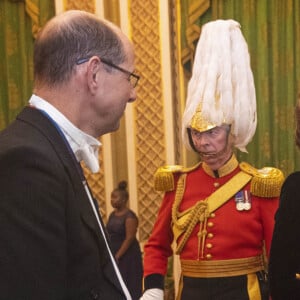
266 182
33 136
164 177
292 181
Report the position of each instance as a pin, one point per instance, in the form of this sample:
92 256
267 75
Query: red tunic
231 234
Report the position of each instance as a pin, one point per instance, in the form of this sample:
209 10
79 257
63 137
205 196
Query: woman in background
284 264
122 227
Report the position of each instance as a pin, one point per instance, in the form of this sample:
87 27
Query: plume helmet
221 89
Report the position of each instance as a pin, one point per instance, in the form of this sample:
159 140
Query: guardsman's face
213 145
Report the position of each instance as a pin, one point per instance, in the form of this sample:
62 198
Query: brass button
216 184
208 256
210 224
212 215
210 235
209 246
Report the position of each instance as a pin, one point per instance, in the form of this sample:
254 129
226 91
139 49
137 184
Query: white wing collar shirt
84 146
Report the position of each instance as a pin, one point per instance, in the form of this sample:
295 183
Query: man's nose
202 139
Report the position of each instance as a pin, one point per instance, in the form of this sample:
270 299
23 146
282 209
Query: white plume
222 82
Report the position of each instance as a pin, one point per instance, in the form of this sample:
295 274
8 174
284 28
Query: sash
187 220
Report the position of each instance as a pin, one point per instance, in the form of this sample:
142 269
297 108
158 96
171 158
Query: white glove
153 294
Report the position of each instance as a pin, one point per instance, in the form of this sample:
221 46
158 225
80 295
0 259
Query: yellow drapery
19 23
192 10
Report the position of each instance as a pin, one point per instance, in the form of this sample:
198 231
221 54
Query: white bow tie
89 154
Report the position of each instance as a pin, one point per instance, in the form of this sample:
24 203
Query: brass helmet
221 89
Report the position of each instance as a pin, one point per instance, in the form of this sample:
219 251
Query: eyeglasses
133 78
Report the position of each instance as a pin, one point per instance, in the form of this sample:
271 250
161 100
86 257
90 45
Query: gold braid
198 213
178 197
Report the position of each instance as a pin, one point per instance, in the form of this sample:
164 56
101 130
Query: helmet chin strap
216 154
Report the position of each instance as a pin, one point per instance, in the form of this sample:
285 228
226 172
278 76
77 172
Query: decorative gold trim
253 286
266 182
196 10
89 5
33 11
164 178
222 268
184 222
199 122
224 170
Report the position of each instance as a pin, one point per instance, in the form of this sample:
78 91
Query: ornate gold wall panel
178 82
196 9
87 5
95 181
149 122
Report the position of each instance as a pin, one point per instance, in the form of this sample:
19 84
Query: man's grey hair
71 36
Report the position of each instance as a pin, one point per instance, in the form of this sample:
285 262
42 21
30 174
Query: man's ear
231 139
93 73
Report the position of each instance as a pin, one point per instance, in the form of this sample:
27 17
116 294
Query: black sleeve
32 227
284 260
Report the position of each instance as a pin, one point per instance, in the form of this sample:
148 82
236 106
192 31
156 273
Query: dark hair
297 119
69 37
122 189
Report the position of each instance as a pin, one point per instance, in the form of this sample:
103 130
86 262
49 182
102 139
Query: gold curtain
191 11
271 30
19 23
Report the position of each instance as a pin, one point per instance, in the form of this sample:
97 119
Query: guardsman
219 213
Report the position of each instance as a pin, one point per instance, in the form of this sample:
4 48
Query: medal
247 203
243 200
239 201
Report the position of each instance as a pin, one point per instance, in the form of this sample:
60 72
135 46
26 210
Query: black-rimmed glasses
133 78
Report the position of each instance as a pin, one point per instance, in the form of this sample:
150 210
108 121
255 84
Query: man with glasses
132 78
53 243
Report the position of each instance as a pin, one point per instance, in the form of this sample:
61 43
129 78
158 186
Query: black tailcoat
284 264
51 246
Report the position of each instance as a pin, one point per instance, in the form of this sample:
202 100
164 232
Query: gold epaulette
266 182
164 176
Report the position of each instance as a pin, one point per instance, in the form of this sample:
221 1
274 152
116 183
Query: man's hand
153 294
